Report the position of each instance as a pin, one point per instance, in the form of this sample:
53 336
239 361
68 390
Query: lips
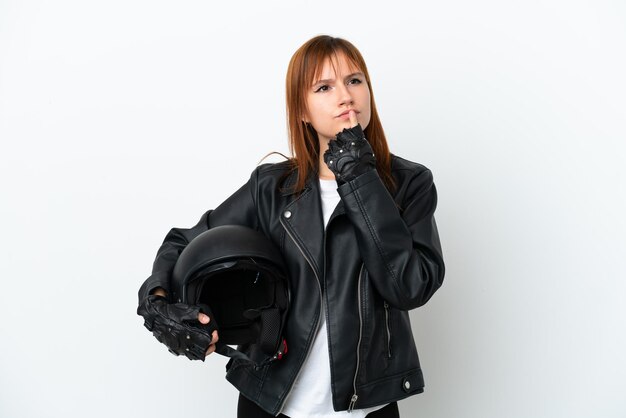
347 113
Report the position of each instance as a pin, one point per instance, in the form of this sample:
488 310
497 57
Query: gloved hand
176 325
349 155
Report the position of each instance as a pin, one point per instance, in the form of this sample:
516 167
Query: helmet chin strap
267 327
228 351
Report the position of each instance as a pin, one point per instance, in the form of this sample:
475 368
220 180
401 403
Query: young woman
355 225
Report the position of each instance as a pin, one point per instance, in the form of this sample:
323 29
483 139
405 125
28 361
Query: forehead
337 63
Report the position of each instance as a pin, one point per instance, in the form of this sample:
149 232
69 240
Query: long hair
305 67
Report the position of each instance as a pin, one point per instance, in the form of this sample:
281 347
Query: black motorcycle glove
349 155
176 325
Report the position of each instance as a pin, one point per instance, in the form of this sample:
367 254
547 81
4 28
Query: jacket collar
312 184
288 186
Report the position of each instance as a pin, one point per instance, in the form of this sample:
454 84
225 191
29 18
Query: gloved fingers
344 166
164 337
185 329
193 344
352 134
200 346
195 352
333 147
199 327
330 160
349 154
182 312
184 338
328 157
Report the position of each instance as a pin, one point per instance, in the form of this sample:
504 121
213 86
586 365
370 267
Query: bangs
331 53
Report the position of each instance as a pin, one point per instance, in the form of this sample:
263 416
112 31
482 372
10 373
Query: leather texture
349 155
379 257
176 325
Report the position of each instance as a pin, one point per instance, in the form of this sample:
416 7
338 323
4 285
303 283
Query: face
336 92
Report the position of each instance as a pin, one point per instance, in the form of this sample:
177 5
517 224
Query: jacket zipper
354 397
317 325
388 330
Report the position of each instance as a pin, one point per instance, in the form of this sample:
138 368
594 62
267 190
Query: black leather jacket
379 257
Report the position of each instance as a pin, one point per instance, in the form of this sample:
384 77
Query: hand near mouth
353 121
349 155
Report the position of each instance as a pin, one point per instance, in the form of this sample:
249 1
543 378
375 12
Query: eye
355 81
322 88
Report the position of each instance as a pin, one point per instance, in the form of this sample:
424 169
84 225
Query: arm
173 324
401 251
173 244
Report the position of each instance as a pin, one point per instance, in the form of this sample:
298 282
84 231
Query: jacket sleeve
238 209
400 247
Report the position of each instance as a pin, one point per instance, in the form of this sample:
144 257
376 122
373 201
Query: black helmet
240 275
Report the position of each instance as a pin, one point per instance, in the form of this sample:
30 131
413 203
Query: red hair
304 68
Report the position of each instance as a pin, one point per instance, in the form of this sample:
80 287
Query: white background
121 119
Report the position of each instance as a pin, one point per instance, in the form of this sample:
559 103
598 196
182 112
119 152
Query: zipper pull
352 402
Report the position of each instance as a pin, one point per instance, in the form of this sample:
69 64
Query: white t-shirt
311 395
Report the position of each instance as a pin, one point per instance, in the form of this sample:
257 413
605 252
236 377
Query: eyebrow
328 80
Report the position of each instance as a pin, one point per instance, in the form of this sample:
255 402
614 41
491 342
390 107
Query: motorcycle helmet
240 275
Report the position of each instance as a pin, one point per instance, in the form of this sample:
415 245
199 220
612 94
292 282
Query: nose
345 98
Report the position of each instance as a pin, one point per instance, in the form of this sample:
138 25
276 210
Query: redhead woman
355 226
